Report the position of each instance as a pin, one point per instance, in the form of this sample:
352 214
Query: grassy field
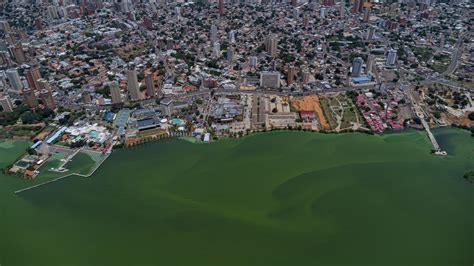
192 140
350 112
440 68
14 148
325 104
279 198
54 161
84 162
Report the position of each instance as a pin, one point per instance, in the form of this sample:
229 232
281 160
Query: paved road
456 55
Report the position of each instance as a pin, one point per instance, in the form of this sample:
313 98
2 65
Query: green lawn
54 161
325 105
192 140
440 68
84 162
15 148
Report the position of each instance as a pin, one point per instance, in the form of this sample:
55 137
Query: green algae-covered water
281 198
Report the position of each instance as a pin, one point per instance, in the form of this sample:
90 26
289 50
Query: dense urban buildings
142 128
227 68
91 56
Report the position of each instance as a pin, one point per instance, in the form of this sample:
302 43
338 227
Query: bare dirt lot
311 103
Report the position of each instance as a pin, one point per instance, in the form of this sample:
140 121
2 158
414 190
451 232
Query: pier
434 142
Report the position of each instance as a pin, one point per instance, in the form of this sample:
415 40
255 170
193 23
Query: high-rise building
253 61
148 22
362 4
63 12
393 9
328 2
356 5
391 57
305 20
442 41
238 79
296 14
5 26
271 44
269 79
53 12
150 86
115 92
216 50
14 79
322 12
342 9
159 89
6 104
100 100
5 59
370 33
32 76
231 36
43 84
125 6
30 98
86 98
367 15
3 81
230 54
37 23
391 25
18 53
47 99
178 12
305 76
221 7
132 84
213 34
357 67
10 39
290 75
370 64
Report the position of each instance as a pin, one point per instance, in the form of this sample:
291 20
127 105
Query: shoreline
349 131
256 133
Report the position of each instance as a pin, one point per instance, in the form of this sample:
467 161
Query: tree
471 116
104 91
30 117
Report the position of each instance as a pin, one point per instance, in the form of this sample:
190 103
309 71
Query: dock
434 142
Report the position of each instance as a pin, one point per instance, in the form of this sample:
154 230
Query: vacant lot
311 103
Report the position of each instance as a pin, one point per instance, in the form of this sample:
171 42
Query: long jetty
430 135
434 142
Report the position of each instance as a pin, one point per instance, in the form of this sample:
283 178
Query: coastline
192 140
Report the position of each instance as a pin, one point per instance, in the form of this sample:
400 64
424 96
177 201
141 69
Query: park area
340 112
83 163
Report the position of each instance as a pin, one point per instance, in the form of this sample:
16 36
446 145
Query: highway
456 55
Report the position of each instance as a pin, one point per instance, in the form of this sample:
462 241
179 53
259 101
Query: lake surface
279 198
